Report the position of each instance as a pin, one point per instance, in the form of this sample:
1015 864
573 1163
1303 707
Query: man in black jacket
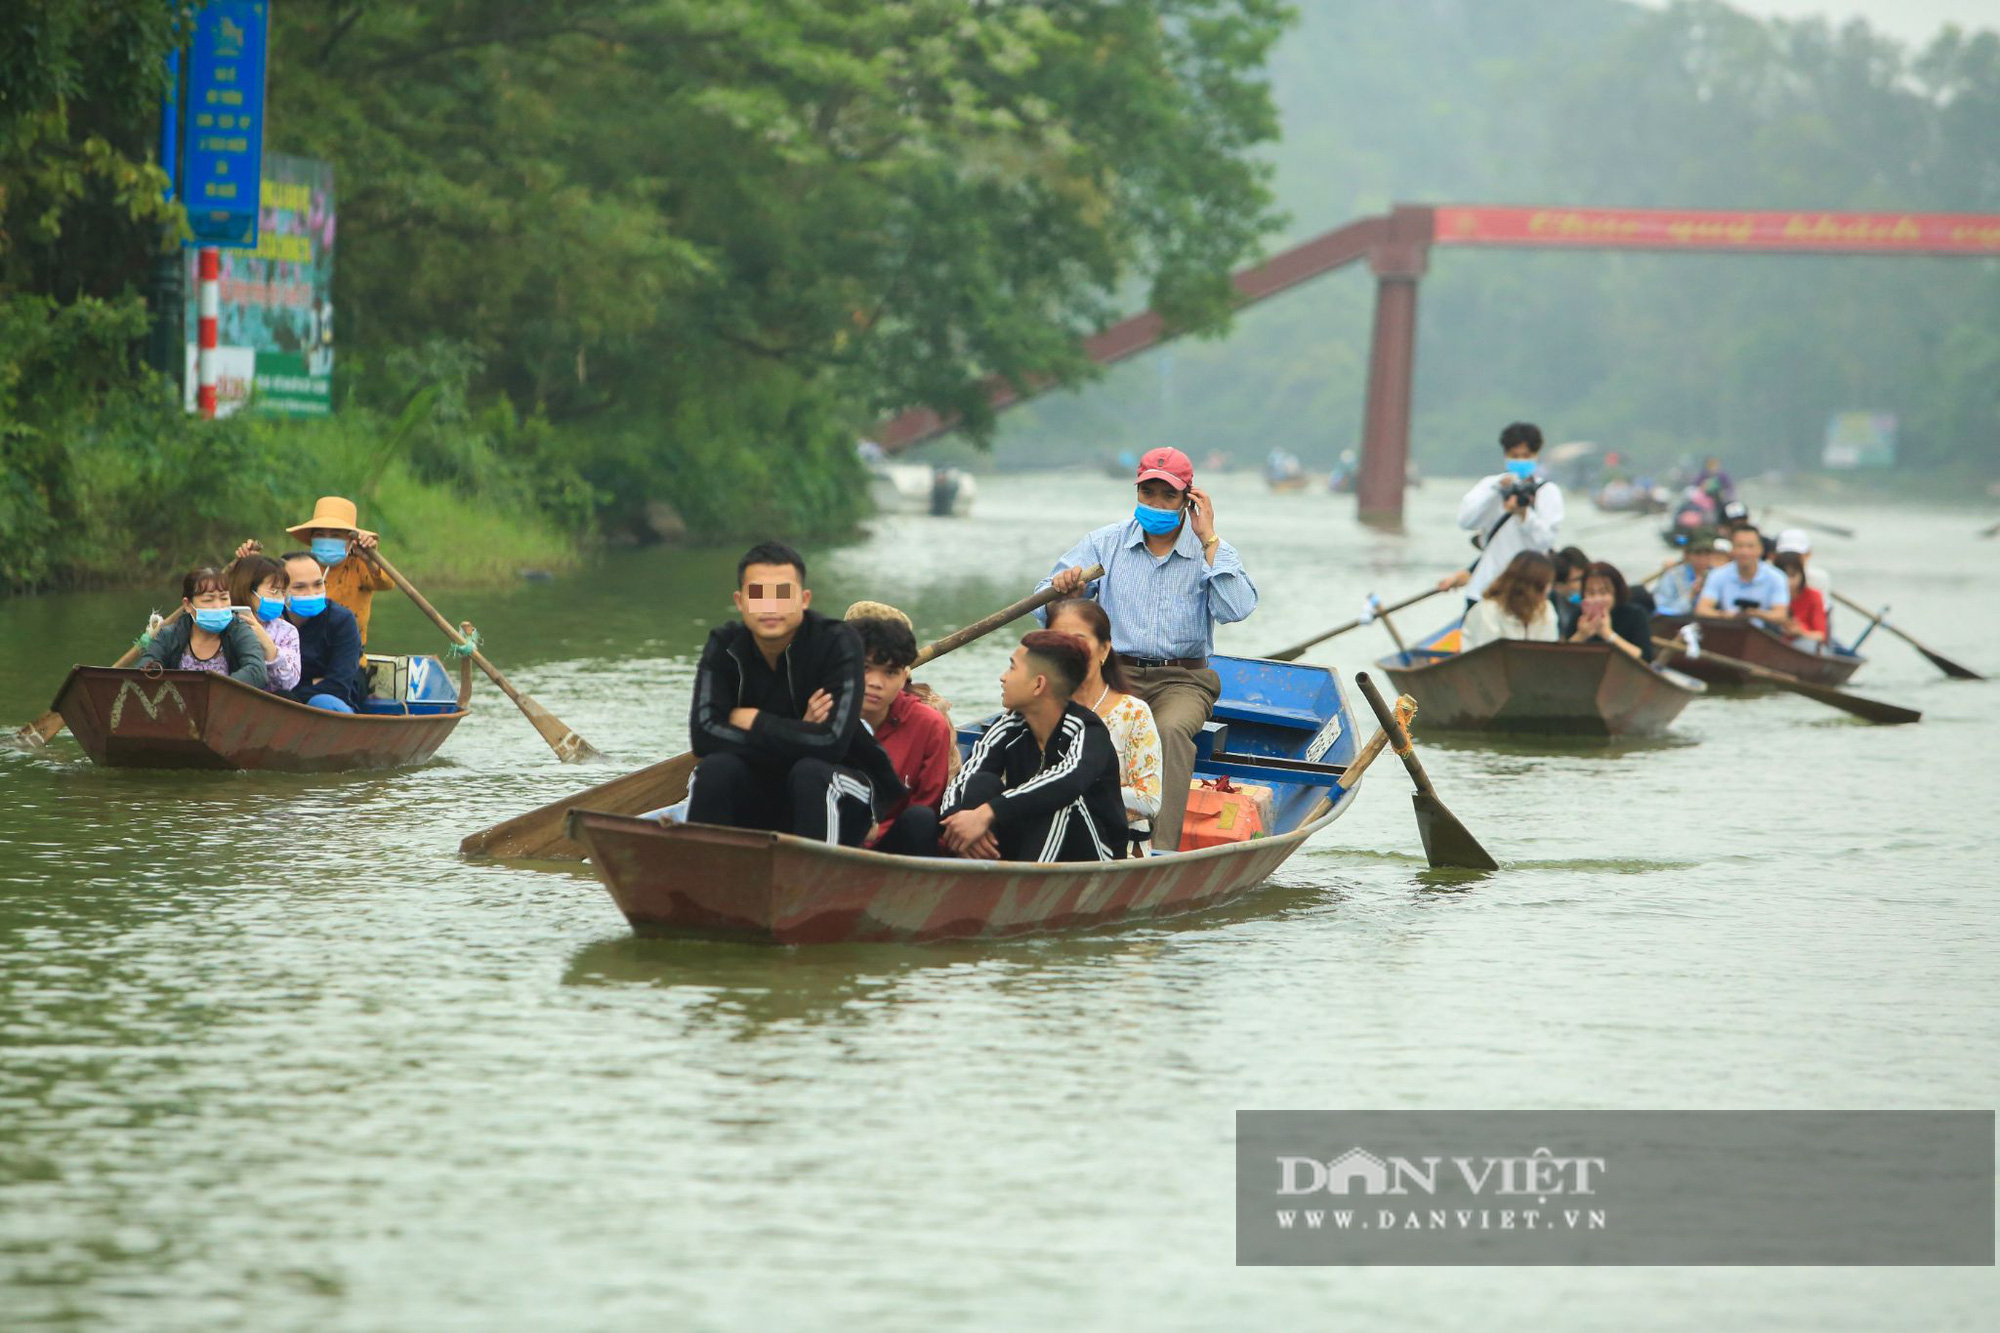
1042 783
329 639
777 715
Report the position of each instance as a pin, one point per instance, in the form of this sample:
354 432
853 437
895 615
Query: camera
1524 487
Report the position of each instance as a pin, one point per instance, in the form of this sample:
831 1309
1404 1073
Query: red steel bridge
1398 244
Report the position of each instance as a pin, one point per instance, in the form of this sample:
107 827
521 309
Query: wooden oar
1406 707
539 835
1401 647
1657 574
569 747
1833 528
43 729
1937 659
1298 650
1870 709
1446 841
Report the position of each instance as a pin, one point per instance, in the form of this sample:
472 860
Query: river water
272 1056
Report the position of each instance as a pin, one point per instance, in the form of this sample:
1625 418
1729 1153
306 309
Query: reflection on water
273 1056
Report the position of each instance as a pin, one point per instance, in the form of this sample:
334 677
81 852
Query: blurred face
1520 449
304 578
1748 548
772 600
1795 580
1572 583
1020 682
273 586
1157 494
1598 594
1069 622
881 685
209 598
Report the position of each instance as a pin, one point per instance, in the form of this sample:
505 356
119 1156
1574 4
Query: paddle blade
539 835
1949 667
1870 710
1447 843
36 734
569 747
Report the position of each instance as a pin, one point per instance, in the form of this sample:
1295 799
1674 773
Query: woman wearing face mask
1516 605
258 582
209 636
1606 614
1106 692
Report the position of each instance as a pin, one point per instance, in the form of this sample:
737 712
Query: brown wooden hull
1511 685
1759 647
197 719
700 881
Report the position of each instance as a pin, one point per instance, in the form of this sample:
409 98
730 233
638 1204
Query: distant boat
914 488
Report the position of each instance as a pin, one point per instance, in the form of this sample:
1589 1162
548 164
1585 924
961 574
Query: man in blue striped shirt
1168 581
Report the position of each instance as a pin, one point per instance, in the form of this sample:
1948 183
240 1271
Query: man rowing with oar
777 722
1168 582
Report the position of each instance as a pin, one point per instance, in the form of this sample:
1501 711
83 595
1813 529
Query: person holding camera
1749 585
1513 511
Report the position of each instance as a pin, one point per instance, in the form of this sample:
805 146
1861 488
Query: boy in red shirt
917 737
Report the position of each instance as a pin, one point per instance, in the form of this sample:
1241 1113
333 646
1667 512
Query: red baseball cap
1168 465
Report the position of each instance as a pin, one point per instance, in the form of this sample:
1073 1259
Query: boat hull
698 881
1759 647
1512 685
201 720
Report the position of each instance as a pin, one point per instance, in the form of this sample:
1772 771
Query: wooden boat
1513 685
1758 646
199 719
1277 723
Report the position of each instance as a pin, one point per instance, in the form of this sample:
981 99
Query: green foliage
596 254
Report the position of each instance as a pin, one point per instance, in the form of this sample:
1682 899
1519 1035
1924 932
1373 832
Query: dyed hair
249 574
1099 621
885 642
1522 432
770 553
1063 658
200 579
1523 585
1620 592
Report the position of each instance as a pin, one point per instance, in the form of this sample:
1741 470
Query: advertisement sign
1859 439
275 321
1803 232
225 122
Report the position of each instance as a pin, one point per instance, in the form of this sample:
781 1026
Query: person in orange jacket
335 537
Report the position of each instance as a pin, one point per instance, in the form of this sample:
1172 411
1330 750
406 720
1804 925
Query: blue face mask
329 550
214 619
1159 522
1576 599
269 608
1523 468
305 608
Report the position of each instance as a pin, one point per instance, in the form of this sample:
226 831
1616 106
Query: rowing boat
201 719
1755 644
1515 685
1281 724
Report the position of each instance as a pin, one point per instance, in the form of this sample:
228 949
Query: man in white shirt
1513 511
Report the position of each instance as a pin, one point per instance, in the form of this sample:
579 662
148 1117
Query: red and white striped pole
210 273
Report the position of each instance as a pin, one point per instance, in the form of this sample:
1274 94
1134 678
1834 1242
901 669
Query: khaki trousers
1181 701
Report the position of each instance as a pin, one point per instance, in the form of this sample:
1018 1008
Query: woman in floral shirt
1106 692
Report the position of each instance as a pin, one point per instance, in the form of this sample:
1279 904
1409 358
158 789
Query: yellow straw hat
877 611
332 512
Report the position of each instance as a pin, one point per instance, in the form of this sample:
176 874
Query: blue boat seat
1269 713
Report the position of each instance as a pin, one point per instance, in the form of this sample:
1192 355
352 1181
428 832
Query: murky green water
272 1057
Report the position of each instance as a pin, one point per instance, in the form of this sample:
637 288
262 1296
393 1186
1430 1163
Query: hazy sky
1911 20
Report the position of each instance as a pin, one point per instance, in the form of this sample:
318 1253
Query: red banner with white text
1803 231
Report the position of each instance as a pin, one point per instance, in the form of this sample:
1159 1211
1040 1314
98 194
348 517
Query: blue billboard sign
223 163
